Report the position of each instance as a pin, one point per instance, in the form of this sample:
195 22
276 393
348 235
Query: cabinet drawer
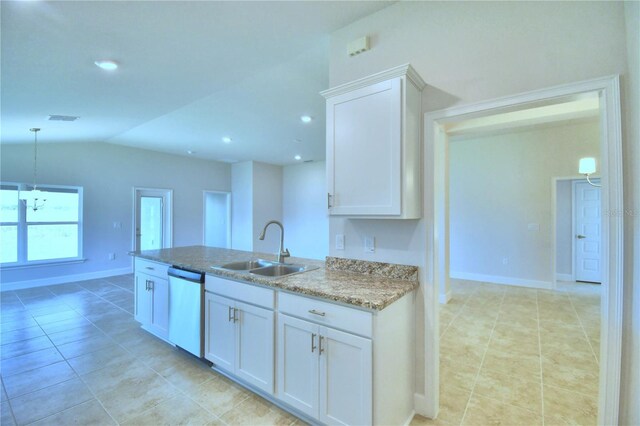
244 292
341 317
151 268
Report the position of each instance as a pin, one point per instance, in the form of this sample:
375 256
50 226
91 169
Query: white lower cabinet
325 373
346 371
152 303
239 338
322 362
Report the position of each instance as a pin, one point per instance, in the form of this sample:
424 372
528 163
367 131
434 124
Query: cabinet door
298 364
346 378
143 302
364 144
160 306
255 346
219 331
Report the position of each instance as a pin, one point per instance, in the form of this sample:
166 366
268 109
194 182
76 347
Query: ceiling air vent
63 118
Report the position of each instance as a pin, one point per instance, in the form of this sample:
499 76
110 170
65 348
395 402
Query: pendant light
34 199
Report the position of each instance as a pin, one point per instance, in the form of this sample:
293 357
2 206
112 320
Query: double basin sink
265 268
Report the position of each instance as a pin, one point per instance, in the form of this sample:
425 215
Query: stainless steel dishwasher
186 310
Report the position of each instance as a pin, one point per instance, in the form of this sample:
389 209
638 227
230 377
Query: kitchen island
332 344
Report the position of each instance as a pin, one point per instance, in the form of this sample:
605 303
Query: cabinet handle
150 268
235 316
231 316
151 283
146 285
313 340
328 200
314 312
320 350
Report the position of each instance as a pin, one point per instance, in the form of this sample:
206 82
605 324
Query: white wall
267 205
501 184
256 199
473 51
564 228
304 209
108 174
242 206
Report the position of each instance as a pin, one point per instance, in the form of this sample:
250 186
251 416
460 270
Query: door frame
435 274
204 215
167 195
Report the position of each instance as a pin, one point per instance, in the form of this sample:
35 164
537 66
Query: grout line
486 349
584 331
13 417
540 357
457 314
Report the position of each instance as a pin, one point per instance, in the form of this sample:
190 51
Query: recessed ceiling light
306 118
226 139
297 157
297 140
190 152
107 64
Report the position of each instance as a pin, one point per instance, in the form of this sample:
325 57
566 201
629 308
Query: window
50 234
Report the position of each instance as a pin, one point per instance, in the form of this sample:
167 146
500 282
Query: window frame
23 224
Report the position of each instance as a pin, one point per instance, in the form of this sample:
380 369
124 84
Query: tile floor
516 356
72 354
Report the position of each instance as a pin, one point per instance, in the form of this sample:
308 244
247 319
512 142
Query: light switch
117 225
339 241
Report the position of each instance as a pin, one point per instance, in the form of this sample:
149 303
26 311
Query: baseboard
497 279
565 277
410 419
444 298
63 279
421 406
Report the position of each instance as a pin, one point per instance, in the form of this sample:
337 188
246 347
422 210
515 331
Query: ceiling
190 74
585 107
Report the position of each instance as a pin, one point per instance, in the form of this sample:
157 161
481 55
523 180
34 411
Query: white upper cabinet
373 146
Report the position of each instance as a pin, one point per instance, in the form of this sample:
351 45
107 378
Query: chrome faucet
282 253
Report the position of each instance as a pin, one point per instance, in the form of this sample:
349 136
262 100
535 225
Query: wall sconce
586 167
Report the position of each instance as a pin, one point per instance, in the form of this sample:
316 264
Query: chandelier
34 199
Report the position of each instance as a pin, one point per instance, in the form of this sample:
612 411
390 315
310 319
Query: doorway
152 219
435 275
217 219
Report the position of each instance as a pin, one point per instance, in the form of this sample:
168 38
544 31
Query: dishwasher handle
184 274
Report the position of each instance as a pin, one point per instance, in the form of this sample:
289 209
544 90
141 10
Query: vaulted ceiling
190 73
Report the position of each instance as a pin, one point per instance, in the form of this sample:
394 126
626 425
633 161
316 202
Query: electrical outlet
112 256
370 244
117 225
505 260
339 241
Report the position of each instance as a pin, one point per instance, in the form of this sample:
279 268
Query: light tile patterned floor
72 354
516 356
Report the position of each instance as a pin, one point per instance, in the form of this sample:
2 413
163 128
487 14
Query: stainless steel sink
278 270
246 265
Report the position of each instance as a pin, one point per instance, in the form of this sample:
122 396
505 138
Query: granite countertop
370 285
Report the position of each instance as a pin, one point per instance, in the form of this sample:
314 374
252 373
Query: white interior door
153 224
217 219
587 227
